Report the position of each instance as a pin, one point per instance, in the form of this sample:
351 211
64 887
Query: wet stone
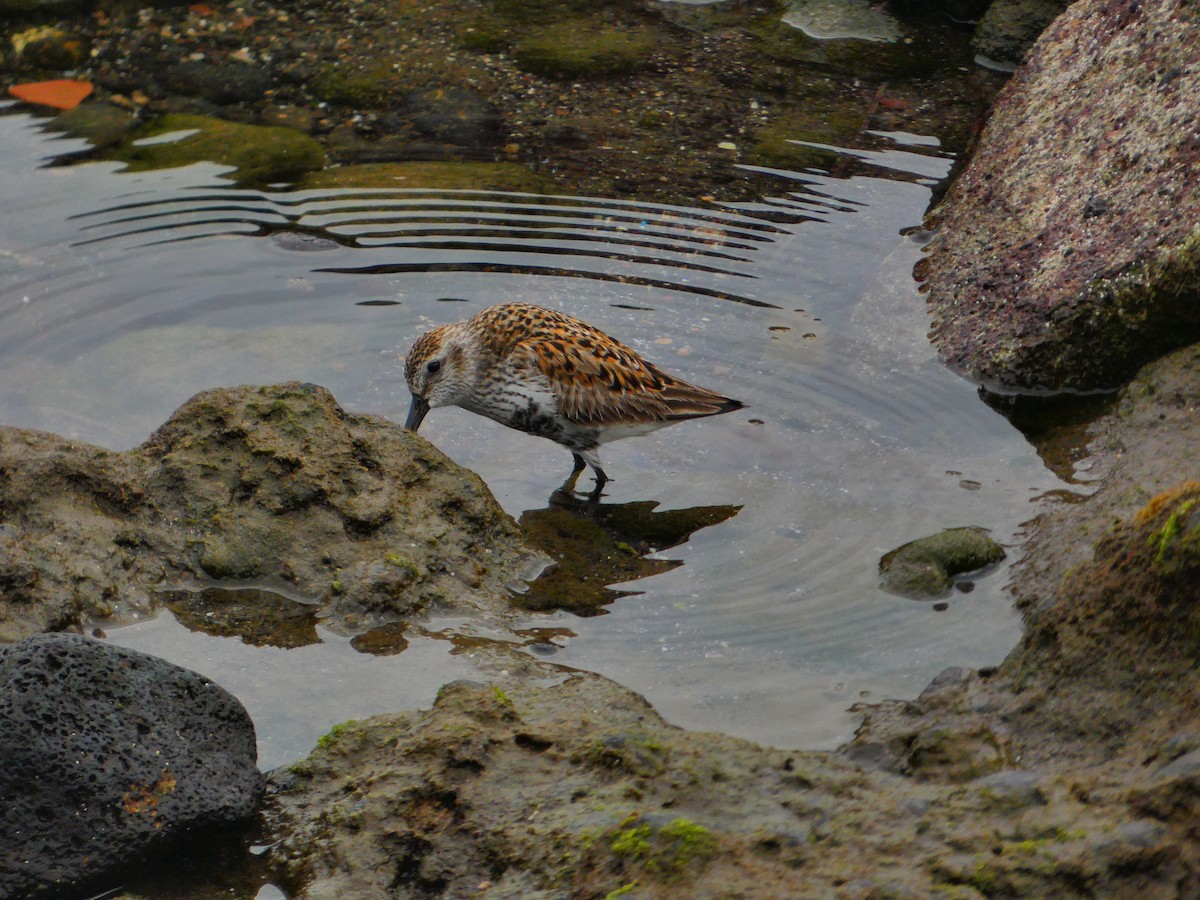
451 115
1138 835
108 754
1169 750
925 568
1186 766
1011 789
219 84
101 124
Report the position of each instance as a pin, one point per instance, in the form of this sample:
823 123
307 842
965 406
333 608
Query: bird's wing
598 381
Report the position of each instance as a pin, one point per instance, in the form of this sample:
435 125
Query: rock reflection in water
595 545
386 640
258 617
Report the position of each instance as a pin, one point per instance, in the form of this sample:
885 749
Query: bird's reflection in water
593 545
596 544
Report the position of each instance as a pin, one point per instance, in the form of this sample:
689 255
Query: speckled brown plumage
547 373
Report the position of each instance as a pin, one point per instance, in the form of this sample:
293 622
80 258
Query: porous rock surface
107 754
1068 252
252 485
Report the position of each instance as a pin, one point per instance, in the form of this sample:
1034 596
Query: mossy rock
360 89
444 175
662 850
261 154
482 34
1175 541
823 118
101 124
574 49
925 568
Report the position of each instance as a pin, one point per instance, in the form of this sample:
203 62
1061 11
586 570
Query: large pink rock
1068 252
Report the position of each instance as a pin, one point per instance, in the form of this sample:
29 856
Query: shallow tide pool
121 295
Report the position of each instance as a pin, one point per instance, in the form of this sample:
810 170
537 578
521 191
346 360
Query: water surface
121 295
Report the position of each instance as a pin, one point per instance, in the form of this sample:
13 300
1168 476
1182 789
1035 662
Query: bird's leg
601 480
580 465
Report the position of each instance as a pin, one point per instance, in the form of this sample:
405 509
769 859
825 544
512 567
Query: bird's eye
434 365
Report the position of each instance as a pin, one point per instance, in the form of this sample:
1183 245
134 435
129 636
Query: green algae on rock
1098 703
261 154
926 567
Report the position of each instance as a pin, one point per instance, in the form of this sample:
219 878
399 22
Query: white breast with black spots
525 403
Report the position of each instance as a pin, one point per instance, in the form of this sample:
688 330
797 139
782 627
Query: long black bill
416 413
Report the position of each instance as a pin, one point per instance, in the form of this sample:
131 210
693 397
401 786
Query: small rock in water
925 568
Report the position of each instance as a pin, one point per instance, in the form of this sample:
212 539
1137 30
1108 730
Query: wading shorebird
548 374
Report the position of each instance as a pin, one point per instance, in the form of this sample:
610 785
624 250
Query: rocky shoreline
556 96
1070 770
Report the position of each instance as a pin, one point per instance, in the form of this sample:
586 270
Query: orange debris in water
64 93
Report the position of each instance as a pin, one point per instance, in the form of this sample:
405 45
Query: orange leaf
65 93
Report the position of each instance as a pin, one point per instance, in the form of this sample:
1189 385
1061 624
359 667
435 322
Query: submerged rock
1067 253
456 116
273 486
576 48
926 567
109 754
1010 27
102 124
831 20
261 154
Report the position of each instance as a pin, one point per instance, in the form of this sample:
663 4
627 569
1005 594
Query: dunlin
546 373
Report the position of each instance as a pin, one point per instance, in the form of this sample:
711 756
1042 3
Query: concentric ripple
121 295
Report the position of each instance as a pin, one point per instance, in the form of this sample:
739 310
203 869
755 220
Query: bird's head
438 371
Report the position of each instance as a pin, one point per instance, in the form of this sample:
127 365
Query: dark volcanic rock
109 753
1068 253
